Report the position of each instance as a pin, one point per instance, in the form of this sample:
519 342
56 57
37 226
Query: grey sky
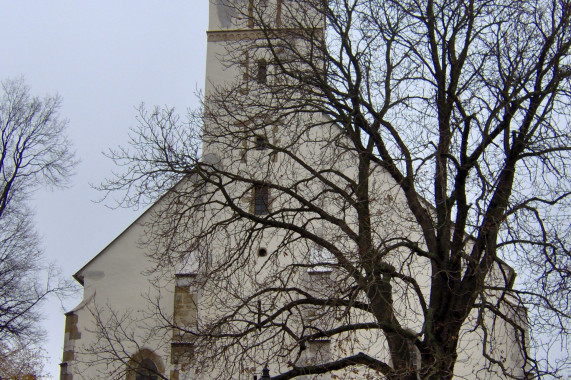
104 58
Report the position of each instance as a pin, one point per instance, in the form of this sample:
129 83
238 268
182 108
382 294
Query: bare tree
35 153
22 362
401 153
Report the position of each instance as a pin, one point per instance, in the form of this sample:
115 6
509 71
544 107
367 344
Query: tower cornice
256 34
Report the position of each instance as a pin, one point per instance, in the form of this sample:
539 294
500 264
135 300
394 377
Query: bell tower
247 44
237 21
233 24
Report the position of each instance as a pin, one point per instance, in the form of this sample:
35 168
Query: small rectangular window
261 199
261 143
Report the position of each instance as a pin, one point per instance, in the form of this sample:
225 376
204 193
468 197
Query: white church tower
108 335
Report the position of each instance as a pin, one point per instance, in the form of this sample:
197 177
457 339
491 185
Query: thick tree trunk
400 346
439 364
441 369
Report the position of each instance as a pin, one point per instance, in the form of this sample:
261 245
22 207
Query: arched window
145 365
147 370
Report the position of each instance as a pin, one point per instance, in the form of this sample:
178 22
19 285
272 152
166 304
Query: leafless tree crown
391 158
34 153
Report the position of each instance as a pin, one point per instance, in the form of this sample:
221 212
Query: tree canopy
412 153
34 154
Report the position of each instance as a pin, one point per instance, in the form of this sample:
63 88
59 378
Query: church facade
189 299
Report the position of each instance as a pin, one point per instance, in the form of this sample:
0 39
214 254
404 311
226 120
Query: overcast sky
104 58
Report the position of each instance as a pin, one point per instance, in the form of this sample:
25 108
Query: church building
253 259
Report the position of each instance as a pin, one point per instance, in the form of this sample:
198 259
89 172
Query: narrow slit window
262 73
261 199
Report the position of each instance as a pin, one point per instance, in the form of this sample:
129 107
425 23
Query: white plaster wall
116 278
